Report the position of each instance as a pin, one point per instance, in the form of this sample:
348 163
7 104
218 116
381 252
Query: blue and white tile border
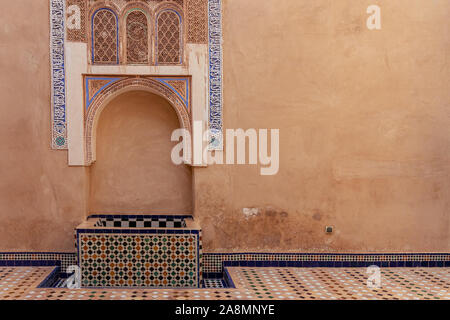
58 74
214 264
215 74
39 259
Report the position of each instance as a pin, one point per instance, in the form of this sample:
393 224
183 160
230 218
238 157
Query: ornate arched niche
71 61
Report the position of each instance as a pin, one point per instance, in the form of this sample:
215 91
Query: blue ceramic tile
274 264
378 263
290 264
216 275
346 264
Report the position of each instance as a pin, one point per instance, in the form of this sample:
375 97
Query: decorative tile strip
62 259
215 74
228 279
213 263
58 89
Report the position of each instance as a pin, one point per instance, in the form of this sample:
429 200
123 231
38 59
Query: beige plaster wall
134 172
364 128
363 119
41 198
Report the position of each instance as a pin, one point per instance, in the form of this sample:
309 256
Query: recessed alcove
133 171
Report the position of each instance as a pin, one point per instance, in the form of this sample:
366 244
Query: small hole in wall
328 229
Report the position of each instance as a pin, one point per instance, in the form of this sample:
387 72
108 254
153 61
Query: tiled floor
253 283
213 283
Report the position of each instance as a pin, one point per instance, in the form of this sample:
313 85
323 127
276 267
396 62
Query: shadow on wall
134 172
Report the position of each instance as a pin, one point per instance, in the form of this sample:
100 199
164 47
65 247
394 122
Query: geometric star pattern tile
253 284
138 260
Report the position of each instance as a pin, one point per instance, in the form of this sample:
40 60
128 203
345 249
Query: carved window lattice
104 37
137 37
169 37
